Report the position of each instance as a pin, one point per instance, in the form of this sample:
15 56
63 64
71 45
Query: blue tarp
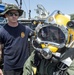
2 8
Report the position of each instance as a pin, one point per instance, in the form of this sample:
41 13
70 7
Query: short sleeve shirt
15 40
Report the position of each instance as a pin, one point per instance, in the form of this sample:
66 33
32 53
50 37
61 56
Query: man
1 73
14 36
51 58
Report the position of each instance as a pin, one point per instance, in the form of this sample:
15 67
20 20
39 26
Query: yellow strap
34 70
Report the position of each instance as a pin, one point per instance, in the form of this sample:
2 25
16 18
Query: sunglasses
13 13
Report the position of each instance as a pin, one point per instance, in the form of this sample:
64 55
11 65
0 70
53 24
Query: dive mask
52 35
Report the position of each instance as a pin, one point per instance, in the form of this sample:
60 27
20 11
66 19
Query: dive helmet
53 36
58 17
70 26
62 19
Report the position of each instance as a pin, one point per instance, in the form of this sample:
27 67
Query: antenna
20 4
29 11
17 2
0 1
29 14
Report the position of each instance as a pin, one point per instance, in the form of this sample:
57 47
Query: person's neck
14 24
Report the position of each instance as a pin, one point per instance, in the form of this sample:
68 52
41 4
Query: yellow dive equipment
53 49
62 19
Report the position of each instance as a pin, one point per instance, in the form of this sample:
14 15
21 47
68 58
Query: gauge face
52 34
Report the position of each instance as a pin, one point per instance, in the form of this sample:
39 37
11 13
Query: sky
65 6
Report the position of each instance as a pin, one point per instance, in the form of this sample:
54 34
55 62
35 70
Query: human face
12 16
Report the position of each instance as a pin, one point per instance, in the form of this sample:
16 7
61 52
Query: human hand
1 73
